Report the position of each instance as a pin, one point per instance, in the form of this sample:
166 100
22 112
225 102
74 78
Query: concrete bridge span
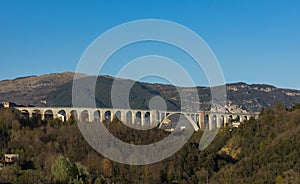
143 118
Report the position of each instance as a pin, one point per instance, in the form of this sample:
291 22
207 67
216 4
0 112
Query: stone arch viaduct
201 120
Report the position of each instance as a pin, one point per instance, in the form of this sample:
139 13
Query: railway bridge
143 118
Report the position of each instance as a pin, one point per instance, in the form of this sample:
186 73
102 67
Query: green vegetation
265 150
247 97
56 90
139 95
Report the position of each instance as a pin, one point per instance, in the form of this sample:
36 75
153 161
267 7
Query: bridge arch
192 116
138 118
222 121
206 122
107 116
62 115
25 113
189 118
97 116
84 116
214 122
196 118
147 119
118 115
36 113
238 119
74 115
48 114
129 118
162 116
229 120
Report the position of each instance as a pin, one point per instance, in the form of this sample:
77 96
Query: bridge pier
142 119
123 116
210 122
133 118
201 120
154 118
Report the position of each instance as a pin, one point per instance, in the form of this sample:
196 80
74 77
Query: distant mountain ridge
56 90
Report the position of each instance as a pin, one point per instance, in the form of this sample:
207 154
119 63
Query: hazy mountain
56 90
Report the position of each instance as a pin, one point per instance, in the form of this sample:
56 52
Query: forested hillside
266 150
56 90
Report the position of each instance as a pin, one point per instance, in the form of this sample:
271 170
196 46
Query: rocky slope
56 90
32 90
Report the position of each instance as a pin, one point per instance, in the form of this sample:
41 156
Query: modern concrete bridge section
202 120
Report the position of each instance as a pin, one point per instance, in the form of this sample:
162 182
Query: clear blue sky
255 41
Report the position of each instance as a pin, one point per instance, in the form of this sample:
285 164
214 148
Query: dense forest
263 150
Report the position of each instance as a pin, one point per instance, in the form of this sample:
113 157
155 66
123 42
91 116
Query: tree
63 171
9 174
